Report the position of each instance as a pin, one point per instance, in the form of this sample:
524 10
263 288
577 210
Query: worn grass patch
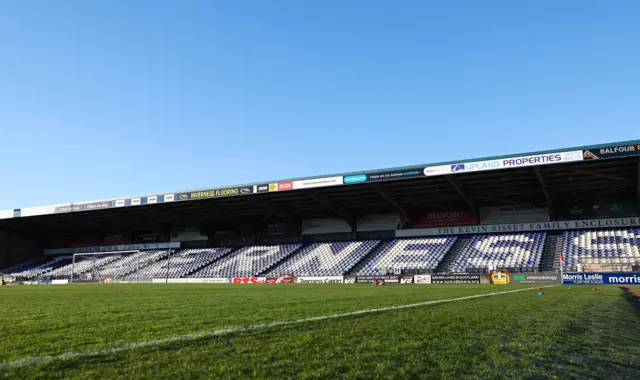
566 333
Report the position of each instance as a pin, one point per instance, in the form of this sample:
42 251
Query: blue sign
601 278
355 178
457 168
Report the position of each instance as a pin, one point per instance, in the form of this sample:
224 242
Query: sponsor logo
246 190
284 186
248 280
532 160
350 280
406 280
183 197
321 280
317 182
455 279
169 197
120 203
273 187
152 199
215 193
455 168
422 279
436 170
262 188
590 156
482 165
135 202
355 178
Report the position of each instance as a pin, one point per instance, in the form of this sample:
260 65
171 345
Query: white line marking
214 333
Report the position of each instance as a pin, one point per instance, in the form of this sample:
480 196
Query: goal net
112 266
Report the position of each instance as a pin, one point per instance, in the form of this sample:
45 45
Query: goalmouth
102 266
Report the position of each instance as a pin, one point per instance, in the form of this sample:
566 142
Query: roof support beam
275 210
543 185
386 194
327 203
463 195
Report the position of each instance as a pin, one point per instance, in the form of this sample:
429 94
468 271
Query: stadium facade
518 211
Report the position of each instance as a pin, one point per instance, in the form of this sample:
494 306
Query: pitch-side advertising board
320 280
601 278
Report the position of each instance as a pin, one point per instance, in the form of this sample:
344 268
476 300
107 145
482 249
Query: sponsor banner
422 279
190 281
517 162
603 208
358 178
279 280
394 175
535 278
285 186
152 199
188 234
320 280
443 219
436 170
379 222
273 187
612 152
262 188
455 278
317 182
513 214
248 280
601 278
84 206
522 227
168 198
217 193
588 267
244 190
44 281
60 282
135 202
324 226
406 280
369 279
111 248
29 211
6 214
349 280
121 203
151 236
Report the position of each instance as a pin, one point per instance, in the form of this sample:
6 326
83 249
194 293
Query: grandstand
517 212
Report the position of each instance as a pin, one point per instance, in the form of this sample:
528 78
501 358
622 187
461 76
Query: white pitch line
214 333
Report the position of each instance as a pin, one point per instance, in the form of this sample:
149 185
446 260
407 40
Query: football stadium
517 266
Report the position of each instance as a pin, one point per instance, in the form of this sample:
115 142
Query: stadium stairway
362 263
450 258
551 253
277 263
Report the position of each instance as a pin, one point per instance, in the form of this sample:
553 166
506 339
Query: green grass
566 333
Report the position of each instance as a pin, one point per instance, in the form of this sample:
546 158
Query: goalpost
99 266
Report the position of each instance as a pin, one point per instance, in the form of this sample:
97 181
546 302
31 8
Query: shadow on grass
632 295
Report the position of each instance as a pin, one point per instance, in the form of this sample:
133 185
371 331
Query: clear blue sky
101 99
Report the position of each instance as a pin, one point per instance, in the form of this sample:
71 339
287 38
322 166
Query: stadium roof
537 178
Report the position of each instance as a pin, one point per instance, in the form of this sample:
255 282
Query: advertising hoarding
612 152
535 278
601 278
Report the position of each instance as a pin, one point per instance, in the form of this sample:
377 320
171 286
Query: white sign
152 199
320 280
513 162
317 182
522 227
169 197
191 281
59 282
422 279
437 170
135 202
120 203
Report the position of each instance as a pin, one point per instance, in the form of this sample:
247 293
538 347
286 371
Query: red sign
284 186
443 219
279 280
248 280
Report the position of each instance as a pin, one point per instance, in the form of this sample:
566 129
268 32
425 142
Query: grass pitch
565 333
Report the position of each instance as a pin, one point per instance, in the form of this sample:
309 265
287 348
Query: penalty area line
231 330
